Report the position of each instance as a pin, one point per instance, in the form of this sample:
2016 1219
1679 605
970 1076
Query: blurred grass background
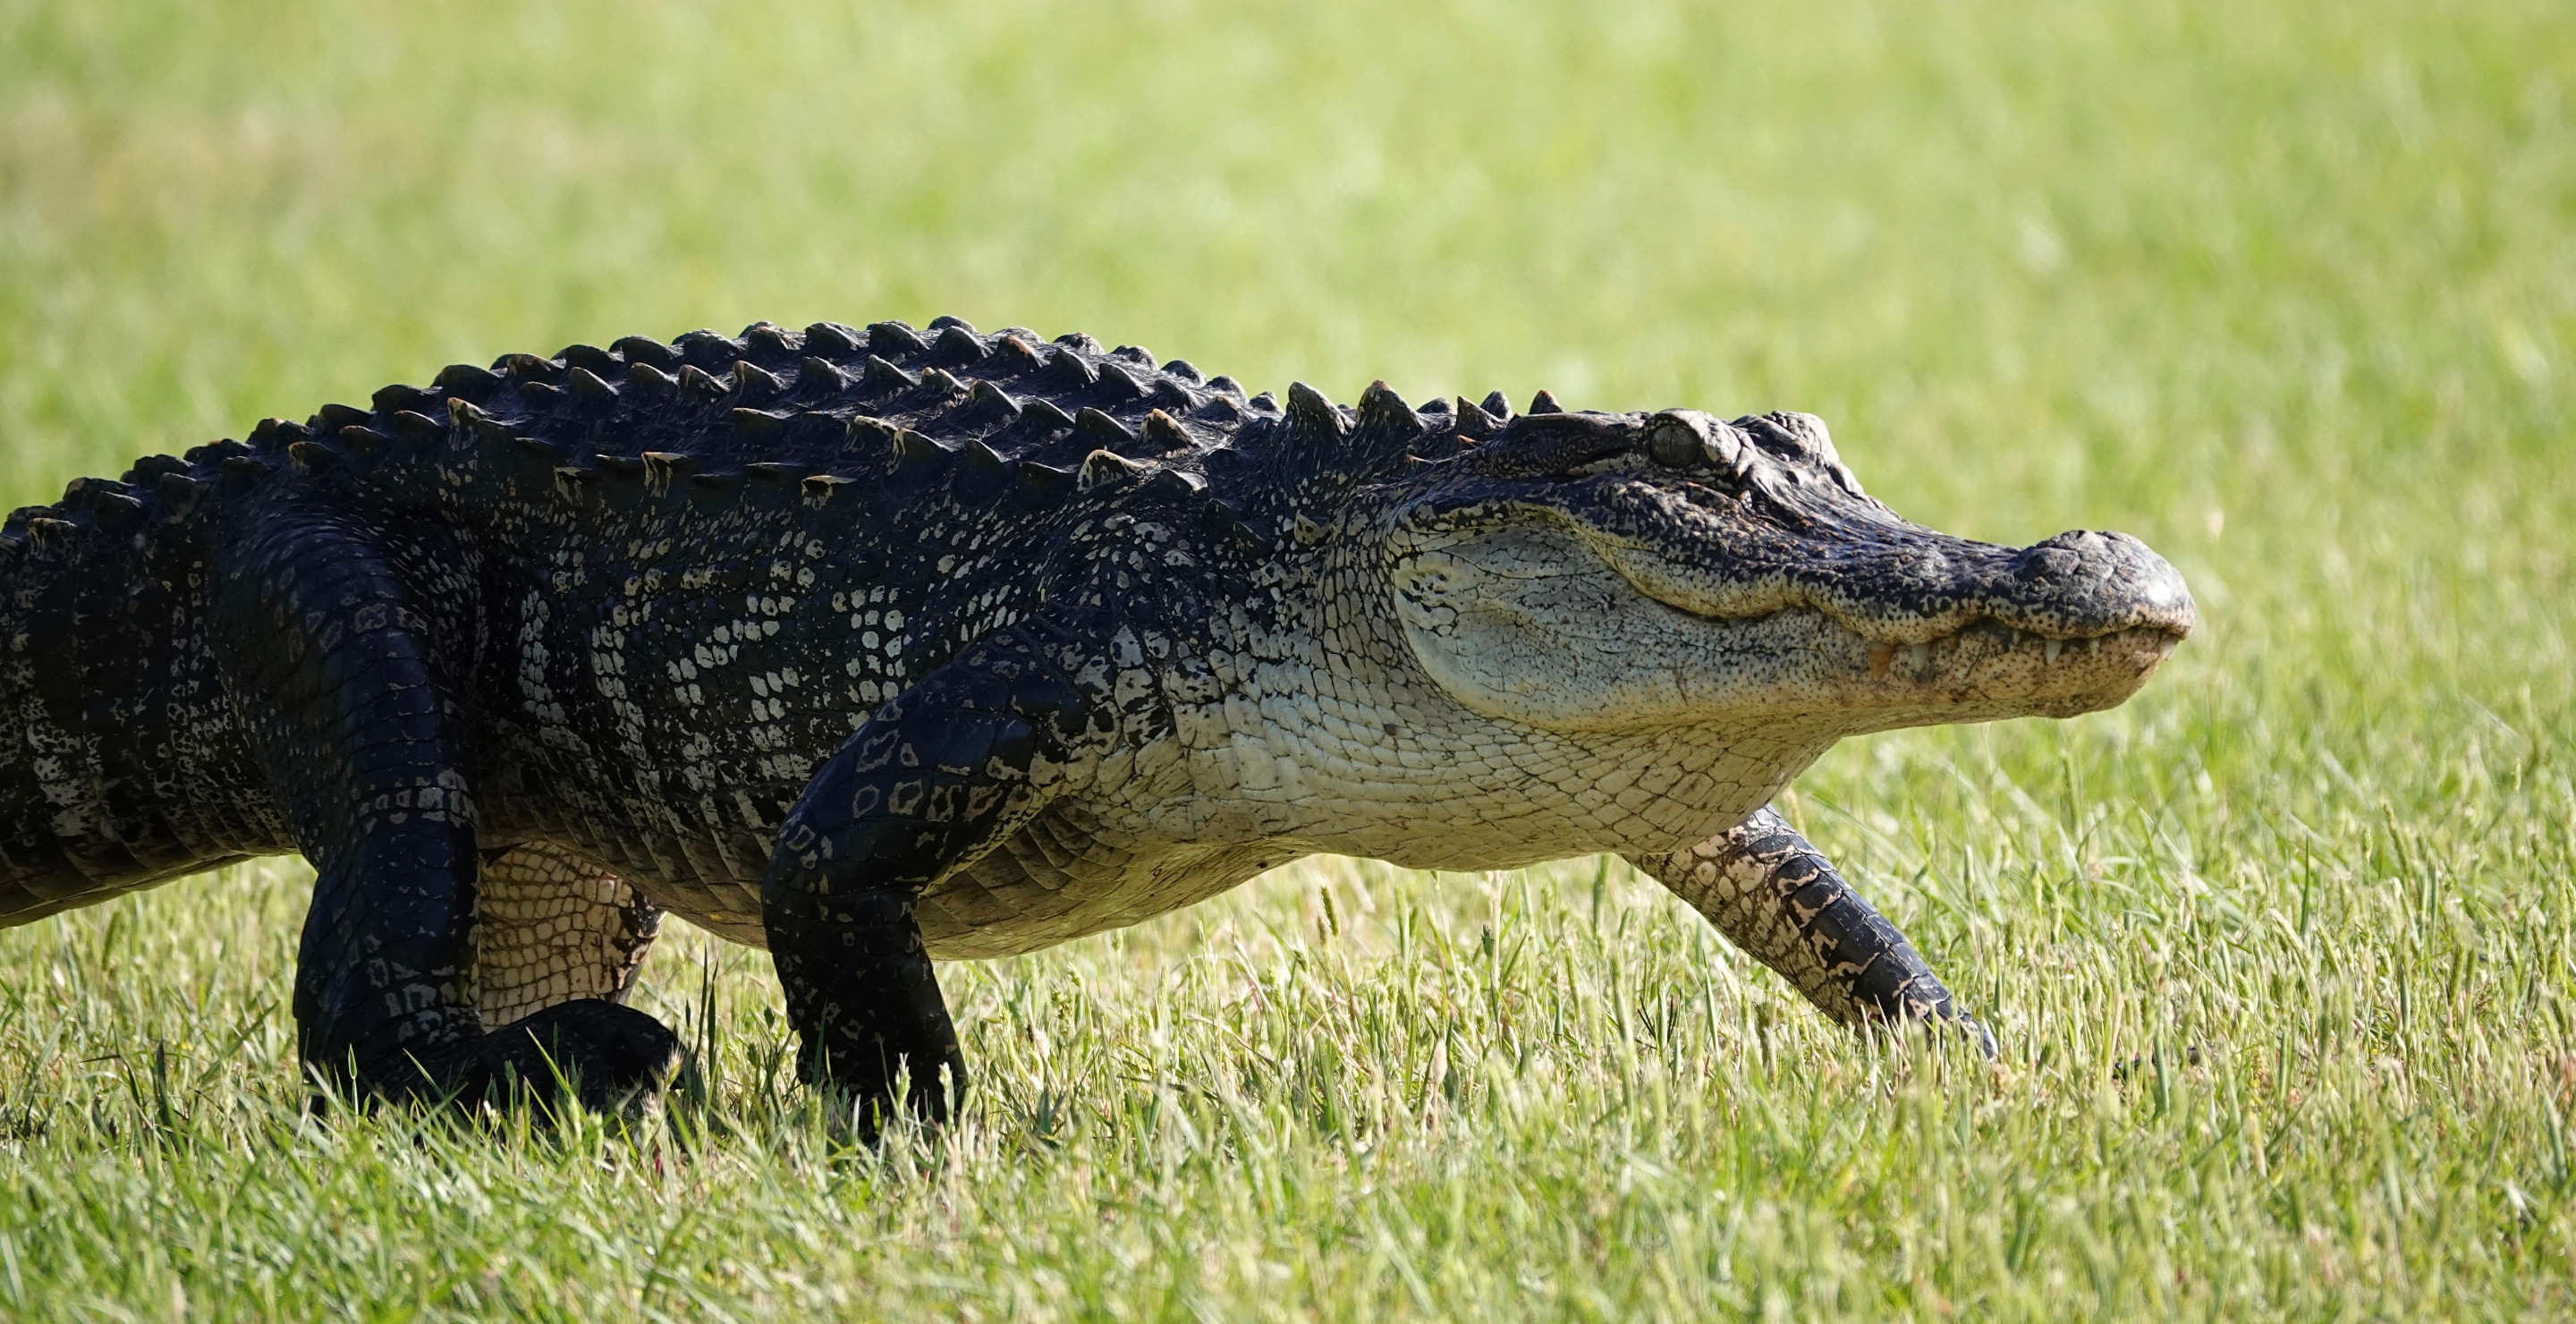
2283 953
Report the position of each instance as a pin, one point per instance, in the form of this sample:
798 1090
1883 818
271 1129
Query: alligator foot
1776 897
605 1057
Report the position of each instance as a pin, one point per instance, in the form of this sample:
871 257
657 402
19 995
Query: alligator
883 647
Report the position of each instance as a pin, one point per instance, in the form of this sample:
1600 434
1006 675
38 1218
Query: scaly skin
879 649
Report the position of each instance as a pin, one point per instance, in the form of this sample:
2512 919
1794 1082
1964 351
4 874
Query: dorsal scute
568 430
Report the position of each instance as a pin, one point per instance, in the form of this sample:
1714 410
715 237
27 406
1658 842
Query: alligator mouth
1982 670
1993 638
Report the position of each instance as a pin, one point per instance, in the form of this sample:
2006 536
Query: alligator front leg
929 782
1776 897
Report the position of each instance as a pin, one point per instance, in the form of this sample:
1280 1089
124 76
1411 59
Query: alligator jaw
1984 670
1988 670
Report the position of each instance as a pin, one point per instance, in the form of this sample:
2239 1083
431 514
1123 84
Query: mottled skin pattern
884 647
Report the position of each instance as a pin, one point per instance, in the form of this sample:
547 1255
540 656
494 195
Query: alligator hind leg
329 637
1778 899
552 926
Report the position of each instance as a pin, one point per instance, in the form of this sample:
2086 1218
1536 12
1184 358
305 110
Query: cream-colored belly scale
552 924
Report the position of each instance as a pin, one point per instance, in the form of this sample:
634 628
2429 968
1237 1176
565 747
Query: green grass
2287 289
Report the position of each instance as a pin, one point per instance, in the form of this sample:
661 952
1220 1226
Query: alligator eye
1674 444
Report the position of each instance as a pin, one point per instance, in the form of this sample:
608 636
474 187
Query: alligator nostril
2045 562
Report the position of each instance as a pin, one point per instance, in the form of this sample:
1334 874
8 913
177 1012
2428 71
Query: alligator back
681 575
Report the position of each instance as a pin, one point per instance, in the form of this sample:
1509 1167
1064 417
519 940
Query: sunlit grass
2282 954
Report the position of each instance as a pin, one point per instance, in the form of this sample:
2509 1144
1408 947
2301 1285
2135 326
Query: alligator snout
2084 583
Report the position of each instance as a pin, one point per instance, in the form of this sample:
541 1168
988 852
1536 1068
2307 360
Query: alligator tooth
1881 657
2093 646
1921 656
2051 649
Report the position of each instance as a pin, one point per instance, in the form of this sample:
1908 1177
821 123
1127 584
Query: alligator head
1604 572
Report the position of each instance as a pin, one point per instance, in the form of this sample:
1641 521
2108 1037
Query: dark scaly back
939 468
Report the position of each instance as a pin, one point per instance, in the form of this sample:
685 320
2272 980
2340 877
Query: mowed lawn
2282 954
